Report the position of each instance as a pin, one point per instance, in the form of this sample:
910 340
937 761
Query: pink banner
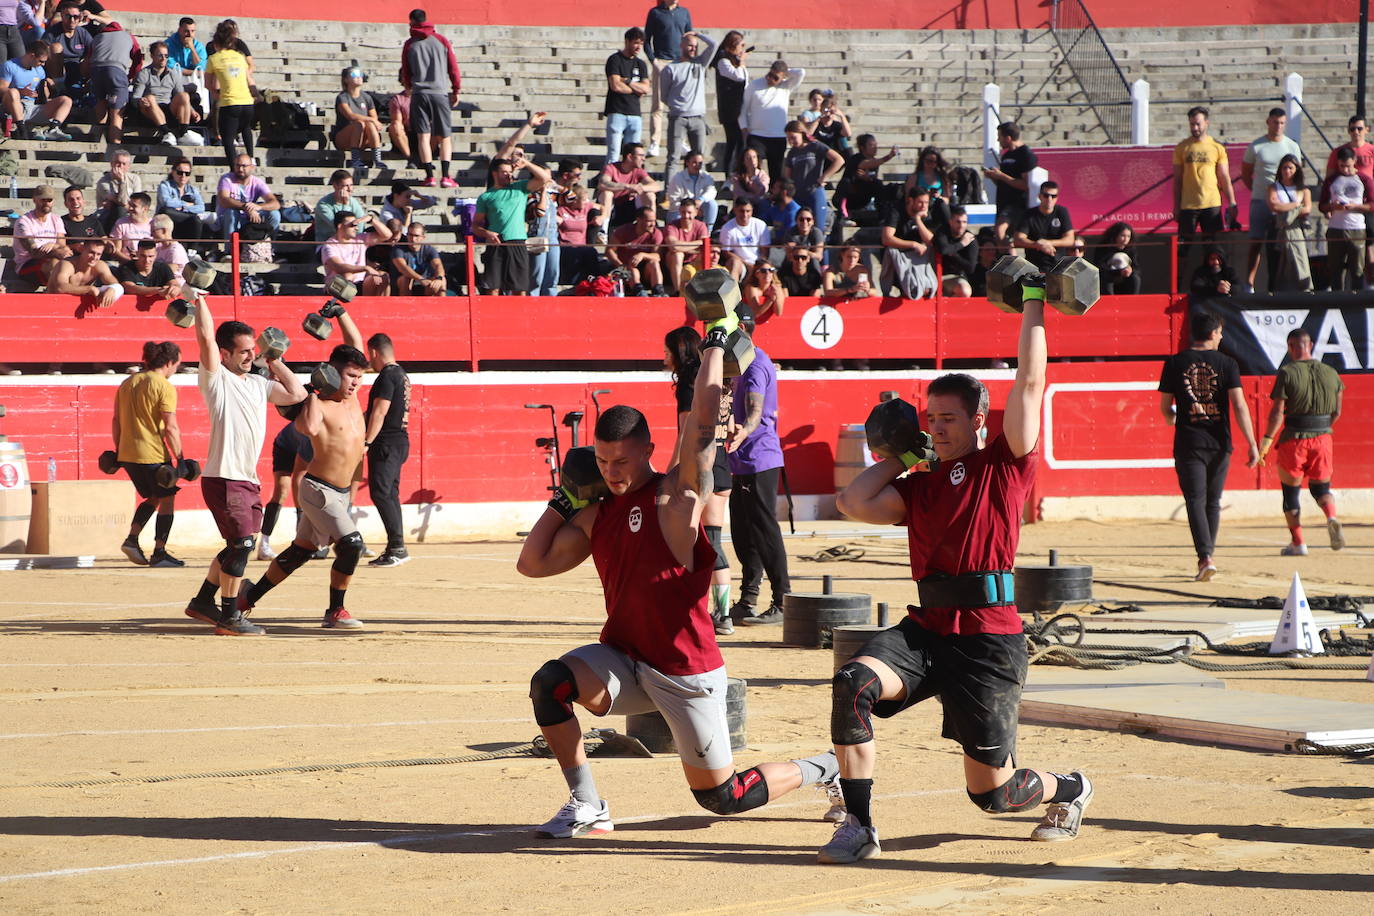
1134 184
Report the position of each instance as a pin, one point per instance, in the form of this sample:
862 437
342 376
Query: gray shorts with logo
324 513
693 705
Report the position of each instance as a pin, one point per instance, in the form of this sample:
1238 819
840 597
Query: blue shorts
1261 220
110 85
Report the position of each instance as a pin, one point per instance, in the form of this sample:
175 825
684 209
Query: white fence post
1292 97
992 116
1140 113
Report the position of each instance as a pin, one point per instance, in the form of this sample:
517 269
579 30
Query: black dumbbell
581 476
108 462
181 313
187 469
317 325
273 343
893 430
324 381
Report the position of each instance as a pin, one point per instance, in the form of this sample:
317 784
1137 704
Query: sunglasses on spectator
183 171
1050 194
768 270
809 219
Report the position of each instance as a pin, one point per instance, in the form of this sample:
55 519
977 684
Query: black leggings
384 478
236 121
756 534
1202 477
729 120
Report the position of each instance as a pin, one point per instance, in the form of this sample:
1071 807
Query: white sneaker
852 841
1293 550
654 151
1062 819
578 819
1333 528
191 138
838 812
265 551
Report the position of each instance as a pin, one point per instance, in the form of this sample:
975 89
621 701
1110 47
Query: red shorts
1310 458
235 504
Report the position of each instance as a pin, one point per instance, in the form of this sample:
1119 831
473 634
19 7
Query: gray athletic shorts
693 705
324 513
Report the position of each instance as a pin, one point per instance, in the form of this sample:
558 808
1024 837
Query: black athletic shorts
1208 220
288 444
721 471
144 477
977 677
506 268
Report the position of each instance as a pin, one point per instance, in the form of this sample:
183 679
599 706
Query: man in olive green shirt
146 436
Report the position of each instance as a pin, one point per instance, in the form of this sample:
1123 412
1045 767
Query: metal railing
1093 65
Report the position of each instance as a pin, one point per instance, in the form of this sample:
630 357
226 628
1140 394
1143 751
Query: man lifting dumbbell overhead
236 401
964 642
658 649
332 419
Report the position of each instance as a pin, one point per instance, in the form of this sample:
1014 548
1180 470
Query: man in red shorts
1307 400
658 648
236 400
964 643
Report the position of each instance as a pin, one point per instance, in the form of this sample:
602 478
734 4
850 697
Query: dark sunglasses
183 171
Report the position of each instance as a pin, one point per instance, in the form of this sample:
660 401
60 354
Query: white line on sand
251 728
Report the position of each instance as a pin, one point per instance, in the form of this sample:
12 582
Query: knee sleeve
713 535
293 558
854 690
1290 498
741 792
1023 790
347 551
1318 490
234 557
553 689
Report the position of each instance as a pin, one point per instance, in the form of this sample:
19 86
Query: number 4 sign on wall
822 327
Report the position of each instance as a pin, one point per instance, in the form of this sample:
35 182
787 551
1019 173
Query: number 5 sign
822 327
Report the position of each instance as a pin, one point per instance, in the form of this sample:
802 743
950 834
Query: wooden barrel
848 641
1046 588
807 620
851 455
16 497
653 732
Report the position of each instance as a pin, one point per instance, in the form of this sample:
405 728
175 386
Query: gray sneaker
134 552
1062 819
238 625
772 615
852 841
1337 534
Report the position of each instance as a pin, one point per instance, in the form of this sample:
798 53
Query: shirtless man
84 274
333 421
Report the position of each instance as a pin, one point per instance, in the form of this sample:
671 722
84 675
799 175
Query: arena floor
101 676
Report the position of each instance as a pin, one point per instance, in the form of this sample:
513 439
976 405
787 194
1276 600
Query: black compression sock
429 168
269 518
1069 787
858 799
336 597
228 607
144 512
259 588
443 167
207 591
162 528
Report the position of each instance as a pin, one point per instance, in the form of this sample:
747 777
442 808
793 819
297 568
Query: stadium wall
801 14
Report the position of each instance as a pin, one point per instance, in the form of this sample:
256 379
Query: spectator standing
683 241
161 100
638 247
1346 198
114 59
1359 144
1116 261
743 239
750 181
67 41
417 266
627 81
146 436
1199 388
356 125
732 76
500 218
429 69
1291 203
664 28
682 86
692 182
958 250
1258 168
763 292
809 164
1012 177
169 251
1047 229
76 224
113 189
21 81
229 80
624 188
339 200
764 117
908 255
542 211
40 238
1202 181
145 276
244 200
388 444
756 462
134 227
1213 277
344 254
180 201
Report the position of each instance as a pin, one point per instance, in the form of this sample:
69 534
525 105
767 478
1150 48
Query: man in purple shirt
755 456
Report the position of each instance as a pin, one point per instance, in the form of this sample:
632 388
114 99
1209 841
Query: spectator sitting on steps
113 189
958 248
763 292
683 241
419 271
743 239
1213 277
21 81
160 99
169 251
136 226
145 276
625 188
1046 231
1116 261
638 247
340 200
907 249
345 255
243 199
356 125
179 200
40 239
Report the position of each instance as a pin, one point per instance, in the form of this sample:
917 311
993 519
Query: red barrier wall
472 441
803 14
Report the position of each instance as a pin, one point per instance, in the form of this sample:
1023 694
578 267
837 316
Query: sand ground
101 676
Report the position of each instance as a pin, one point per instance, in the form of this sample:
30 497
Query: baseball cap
44 192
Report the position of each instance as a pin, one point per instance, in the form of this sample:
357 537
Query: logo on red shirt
956 474
636 519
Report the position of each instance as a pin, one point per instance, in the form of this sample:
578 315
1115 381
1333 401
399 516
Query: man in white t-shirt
236 400
1258 167
743 239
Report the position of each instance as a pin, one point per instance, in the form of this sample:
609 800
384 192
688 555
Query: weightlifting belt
971 590
1308 423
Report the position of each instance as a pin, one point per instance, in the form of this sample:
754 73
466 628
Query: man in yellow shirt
1202 178
146 436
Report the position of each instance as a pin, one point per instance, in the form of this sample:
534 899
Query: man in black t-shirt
799 274
145 275
958 248
77 224
1011 176
1199 388
1047 231
627 81
388 444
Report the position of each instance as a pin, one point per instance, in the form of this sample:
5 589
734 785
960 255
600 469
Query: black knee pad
1318 490
741 792
1290 498
553 689
234 557
347 551
854 690
293 557
713 535
1024 790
